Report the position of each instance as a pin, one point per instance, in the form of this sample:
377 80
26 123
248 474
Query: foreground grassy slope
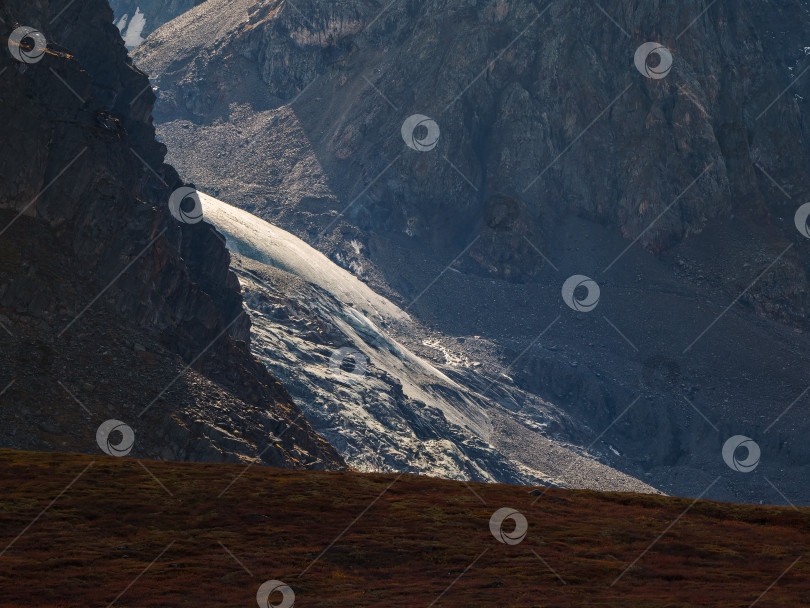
96 543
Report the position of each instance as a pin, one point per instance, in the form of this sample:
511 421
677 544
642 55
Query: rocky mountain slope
423 541
386 406
540 151
112 309
147 15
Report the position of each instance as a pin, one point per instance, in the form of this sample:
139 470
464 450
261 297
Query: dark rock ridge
107 301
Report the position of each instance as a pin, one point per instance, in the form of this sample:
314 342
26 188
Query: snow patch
131 30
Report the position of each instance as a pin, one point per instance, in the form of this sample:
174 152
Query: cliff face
556 156
539 118
107 299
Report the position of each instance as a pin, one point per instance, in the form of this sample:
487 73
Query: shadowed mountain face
466 159
110 307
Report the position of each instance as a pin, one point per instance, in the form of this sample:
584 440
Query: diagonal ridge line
111 283
267 447
193 361
148 166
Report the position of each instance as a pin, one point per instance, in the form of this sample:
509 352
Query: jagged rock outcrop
107 301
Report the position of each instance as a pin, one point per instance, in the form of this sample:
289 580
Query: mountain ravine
539 151
121 326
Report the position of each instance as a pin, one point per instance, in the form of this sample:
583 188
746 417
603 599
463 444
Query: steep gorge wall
82 171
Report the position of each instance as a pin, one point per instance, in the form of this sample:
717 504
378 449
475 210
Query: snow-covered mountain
340 350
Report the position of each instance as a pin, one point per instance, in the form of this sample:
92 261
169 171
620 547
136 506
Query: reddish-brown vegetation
406 549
